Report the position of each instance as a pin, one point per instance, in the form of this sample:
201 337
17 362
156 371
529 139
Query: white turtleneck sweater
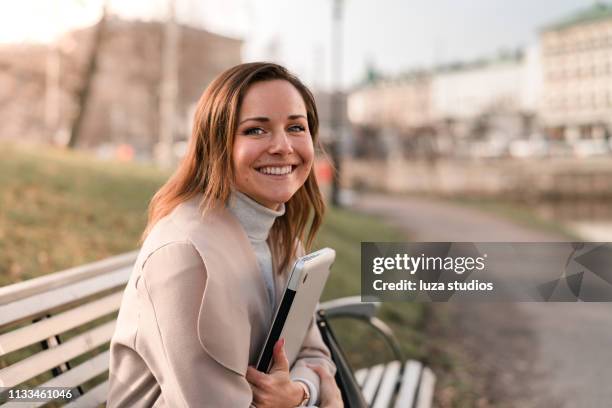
257 220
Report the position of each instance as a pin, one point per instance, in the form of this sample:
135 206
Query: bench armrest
350 306
353 307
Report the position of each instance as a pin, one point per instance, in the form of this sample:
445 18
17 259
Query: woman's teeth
279 171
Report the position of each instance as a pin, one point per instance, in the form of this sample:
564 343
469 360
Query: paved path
542 354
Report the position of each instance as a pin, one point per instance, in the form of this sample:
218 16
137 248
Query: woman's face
273 151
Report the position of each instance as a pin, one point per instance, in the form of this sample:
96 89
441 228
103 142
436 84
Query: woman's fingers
320 370
255 382
331 397
256 377
274 389
281 363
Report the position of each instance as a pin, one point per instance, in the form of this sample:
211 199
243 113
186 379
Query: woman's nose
280 143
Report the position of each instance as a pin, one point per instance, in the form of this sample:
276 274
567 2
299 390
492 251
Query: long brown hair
207 166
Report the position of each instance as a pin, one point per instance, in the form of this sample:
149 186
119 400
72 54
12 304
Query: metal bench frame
400 383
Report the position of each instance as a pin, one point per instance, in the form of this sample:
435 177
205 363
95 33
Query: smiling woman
221 235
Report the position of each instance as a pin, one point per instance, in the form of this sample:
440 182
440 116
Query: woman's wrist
301 391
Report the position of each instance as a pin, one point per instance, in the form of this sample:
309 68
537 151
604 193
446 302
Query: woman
221 235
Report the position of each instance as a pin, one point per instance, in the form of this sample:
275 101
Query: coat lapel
234 315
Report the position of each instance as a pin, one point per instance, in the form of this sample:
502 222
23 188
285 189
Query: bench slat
62 322
24 404
45 360
426 389
92 398
45 283
42 302
71 378
410 382
81 373
372 382
387 385
360 376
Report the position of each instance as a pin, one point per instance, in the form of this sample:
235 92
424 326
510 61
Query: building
125 94
430 111
467 91
576 55
391 115
404 104
493 101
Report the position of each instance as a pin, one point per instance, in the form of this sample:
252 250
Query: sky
391 35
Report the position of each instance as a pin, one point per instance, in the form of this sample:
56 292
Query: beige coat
194 315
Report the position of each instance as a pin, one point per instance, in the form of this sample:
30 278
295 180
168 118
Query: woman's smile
277 171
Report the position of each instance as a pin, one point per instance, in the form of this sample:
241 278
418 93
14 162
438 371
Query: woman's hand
330 393
275 390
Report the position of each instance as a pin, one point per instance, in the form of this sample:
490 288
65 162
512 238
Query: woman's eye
297 128
254 131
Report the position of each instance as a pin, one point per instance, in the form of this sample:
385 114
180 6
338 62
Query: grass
516 211
60 209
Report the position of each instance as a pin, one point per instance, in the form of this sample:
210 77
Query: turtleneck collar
256 219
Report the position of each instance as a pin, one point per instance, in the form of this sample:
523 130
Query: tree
84 94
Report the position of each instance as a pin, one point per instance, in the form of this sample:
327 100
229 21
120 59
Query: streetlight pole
337 111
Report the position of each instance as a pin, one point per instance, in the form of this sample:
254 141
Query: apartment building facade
403 104
576 56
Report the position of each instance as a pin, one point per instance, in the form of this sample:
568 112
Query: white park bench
55 331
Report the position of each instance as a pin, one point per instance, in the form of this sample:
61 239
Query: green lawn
60 209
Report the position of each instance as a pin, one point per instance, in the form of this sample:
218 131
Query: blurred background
503 100
442 121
